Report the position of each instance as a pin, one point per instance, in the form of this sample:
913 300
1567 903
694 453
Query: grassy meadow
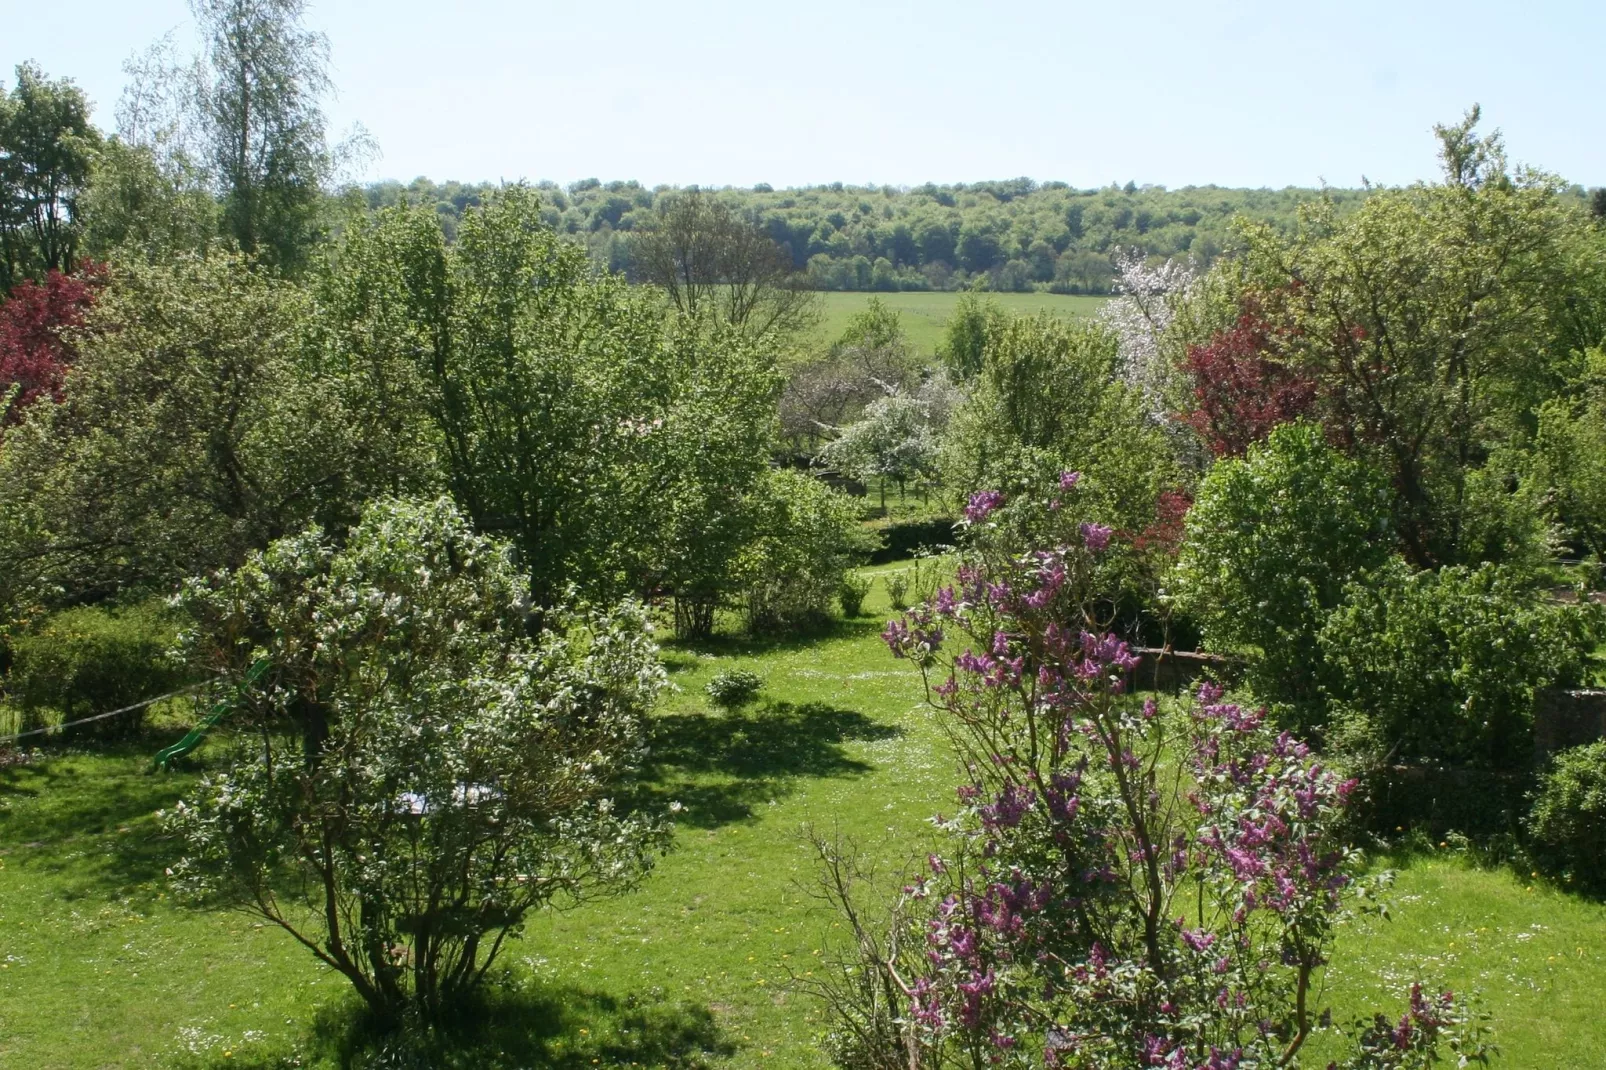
924 315
100 967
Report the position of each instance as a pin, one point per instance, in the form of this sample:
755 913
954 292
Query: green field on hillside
99 967
924 315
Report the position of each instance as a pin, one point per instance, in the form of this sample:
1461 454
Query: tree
422 774
714 263
1432 322
265 129
895 439
47 148
195 427
569 414
965 335
1269 545
36 347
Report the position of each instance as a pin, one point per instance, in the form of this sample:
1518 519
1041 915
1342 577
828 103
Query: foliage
1443 666
1121 887
894 439
855 586
140 206
807 537
734 688
195 428
90 660
1141 315
36 347
423 774
897 584
964 343
1432 321
1571 456
1240 393
712 261
47 147
1005 235
1050 400
1269 545
618 450
1567 825
869 361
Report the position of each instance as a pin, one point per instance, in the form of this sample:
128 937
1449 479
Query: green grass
924 315
102 968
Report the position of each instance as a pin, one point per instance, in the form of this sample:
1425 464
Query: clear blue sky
736 92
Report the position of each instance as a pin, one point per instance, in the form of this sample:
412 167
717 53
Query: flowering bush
417 773
1121 886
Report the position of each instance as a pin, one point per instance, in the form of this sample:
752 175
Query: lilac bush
1121 885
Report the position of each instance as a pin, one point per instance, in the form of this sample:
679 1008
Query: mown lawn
925 315
99 967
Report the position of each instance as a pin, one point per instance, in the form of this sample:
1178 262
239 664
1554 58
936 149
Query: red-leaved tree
35 353
1241 391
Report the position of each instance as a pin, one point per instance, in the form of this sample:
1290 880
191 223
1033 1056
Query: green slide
222 706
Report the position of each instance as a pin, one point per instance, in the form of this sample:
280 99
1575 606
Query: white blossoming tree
414 772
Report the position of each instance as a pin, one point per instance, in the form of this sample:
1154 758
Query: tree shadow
89 816
719 767
553 1027
743 644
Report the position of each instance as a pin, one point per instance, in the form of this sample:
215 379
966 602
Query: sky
737 92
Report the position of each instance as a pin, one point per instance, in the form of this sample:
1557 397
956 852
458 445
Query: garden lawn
924 316
99 967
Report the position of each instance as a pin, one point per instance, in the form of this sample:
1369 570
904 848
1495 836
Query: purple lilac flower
1096 536
982 504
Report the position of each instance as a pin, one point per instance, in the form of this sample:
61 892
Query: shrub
807 538
1567 824
422 772
734 688
1269 544
1443 666
1121 886
898 589
89 660
855 588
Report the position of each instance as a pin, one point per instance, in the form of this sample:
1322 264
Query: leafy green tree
195 429
570 414
1433 320
965 336
1269 546
138 207
1571 457
1443 665
264 77
1049 399
806 538
712 261
417 773
47 148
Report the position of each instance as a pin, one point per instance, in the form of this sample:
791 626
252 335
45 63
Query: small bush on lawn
855 588
1568 820
89 660
734 688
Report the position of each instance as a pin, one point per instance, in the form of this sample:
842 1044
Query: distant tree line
1016 235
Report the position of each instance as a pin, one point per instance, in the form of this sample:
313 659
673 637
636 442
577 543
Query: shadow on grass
89 815
561 1028
744 645
720 766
